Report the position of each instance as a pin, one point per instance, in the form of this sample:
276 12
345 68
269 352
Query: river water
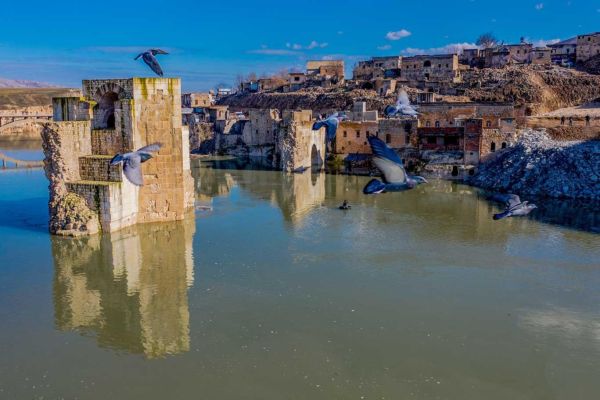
268 291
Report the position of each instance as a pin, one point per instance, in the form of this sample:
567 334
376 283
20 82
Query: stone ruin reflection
294 194
127 289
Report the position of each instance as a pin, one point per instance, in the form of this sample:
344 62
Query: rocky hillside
540 166
12 83
540 88
20 98
308 99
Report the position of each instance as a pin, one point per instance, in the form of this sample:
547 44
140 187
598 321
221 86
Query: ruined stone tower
116 116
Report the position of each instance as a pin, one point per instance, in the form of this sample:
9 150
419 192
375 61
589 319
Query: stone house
442 67
385 87
541 56
499 56
564 51
360 113
260 131
197 100
470 57
588 46
352 137
448 115
326 70
377 68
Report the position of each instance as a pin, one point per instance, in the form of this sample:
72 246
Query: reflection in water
297 194
129 289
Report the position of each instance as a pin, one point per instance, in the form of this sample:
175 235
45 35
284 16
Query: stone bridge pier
298 147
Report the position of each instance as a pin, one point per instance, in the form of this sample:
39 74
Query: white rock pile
540 166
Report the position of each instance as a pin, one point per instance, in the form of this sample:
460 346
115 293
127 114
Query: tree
486 40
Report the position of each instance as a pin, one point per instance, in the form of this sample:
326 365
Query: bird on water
132 162
514 207
395 178
402 107
150 60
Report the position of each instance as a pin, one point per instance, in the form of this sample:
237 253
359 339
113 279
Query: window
365 143
439 65
503 145
488 124
345 134
368 133
431 140
357 134
426 64
493 147
388 138
437 124
427 124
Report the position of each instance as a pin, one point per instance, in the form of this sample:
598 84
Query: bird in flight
132 162
395 178
514 207
150 59
402 107
331 124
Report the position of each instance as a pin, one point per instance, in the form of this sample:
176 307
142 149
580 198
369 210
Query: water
270 292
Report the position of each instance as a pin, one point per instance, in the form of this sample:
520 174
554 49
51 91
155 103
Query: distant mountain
11 83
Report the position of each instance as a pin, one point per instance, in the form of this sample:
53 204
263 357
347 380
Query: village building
377 68
326 70
499 56
442 67
588 46
564 52
385 87
470 57
481 127
190 100
541 56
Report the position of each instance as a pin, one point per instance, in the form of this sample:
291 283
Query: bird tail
501 215
374 186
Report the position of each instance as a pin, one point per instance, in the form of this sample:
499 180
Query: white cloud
397 35
447 49
543 42
539 6
384 47
312 45
340 32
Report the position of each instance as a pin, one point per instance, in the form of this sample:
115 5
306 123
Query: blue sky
63 42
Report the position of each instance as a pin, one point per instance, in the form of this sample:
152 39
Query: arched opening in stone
455 171
427 63
104 111
493 147
503 145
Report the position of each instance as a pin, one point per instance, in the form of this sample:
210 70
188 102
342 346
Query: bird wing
390 111
392 172
403 99
152 62
150 148
509 200
318 125
382 150
157 51
132 169
116 159
138 56
331 129
388 162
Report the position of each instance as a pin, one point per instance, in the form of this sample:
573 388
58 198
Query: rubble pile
540 166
